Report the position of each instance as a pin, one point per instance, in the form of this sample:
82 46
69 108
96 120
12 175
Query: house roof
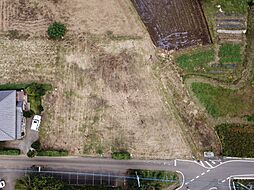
8 128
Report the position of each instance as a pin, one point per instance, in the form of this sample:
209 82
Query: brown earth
105 95
174 24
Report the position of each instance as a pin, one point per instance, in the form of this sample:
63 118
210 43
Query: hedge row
52 153
7 151
121 155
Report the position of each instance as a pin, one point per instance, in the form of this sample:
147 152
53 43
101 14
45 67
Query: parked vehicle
36 123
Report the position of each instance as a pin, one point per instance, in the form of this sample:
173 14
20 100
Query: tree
56 30
37 182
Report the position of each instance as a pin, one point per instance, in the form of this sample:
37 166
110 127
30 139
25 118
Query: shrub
31 153
7 151
28 114
36 145
56 30
122 155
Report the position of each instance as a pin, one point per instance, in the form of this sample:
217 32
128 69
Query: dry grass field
105 95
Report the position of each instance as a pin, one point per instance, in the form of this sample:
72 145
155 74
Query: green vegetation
195 61
233 6
9 151
37 182
35 92
230 53
87 187
249 118
223 102
122 155
52 153
237 140
57 30
167 179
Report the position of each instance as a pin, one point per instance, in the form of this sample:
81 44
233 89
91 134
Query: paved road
203 175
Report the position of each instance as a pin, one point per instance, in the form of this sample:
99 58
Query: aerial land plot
174 24
105 97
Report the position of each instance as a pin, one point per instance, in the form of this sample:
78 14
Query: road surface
202 175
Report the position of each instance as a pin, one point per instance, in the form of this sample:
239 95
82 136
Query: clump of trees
56 31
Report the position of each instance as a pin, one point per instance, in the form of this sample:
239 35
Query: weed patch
195 61
219 101
167 179
230 53
237 140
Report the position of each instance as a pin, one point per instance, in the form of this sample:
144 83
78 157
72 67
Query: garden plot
174 24
231 28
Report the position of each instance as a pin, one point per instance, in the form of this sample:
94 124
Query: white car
2 183
36 123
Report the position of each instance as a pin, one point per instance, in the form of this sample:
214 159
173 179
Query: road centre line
203 173
197 177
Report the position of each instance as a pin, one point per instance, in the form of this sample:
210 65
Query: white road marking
213 188
223 181
203 173
208 171
174 162
202 163
208 164
186 183
192 180
183 180
197 177
228 178
213 162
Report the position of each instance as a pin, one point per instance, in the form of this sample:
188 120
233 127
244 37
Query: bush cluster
56 30
122 155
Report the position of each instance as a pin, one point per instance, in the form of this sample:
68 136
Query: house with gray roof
11 116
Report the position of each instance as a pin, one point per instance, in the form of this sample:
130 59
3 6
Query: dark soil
174 24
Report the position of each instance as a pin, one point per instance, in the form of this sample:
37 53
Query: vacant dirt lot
105 96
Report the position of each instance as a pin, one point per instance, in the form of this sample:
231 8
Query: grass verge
237 140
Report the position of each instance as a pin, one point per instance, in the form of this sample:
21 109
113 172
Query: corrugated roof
8 130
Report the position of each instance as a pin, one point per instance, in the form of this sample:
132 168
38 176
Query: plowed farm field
174 24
